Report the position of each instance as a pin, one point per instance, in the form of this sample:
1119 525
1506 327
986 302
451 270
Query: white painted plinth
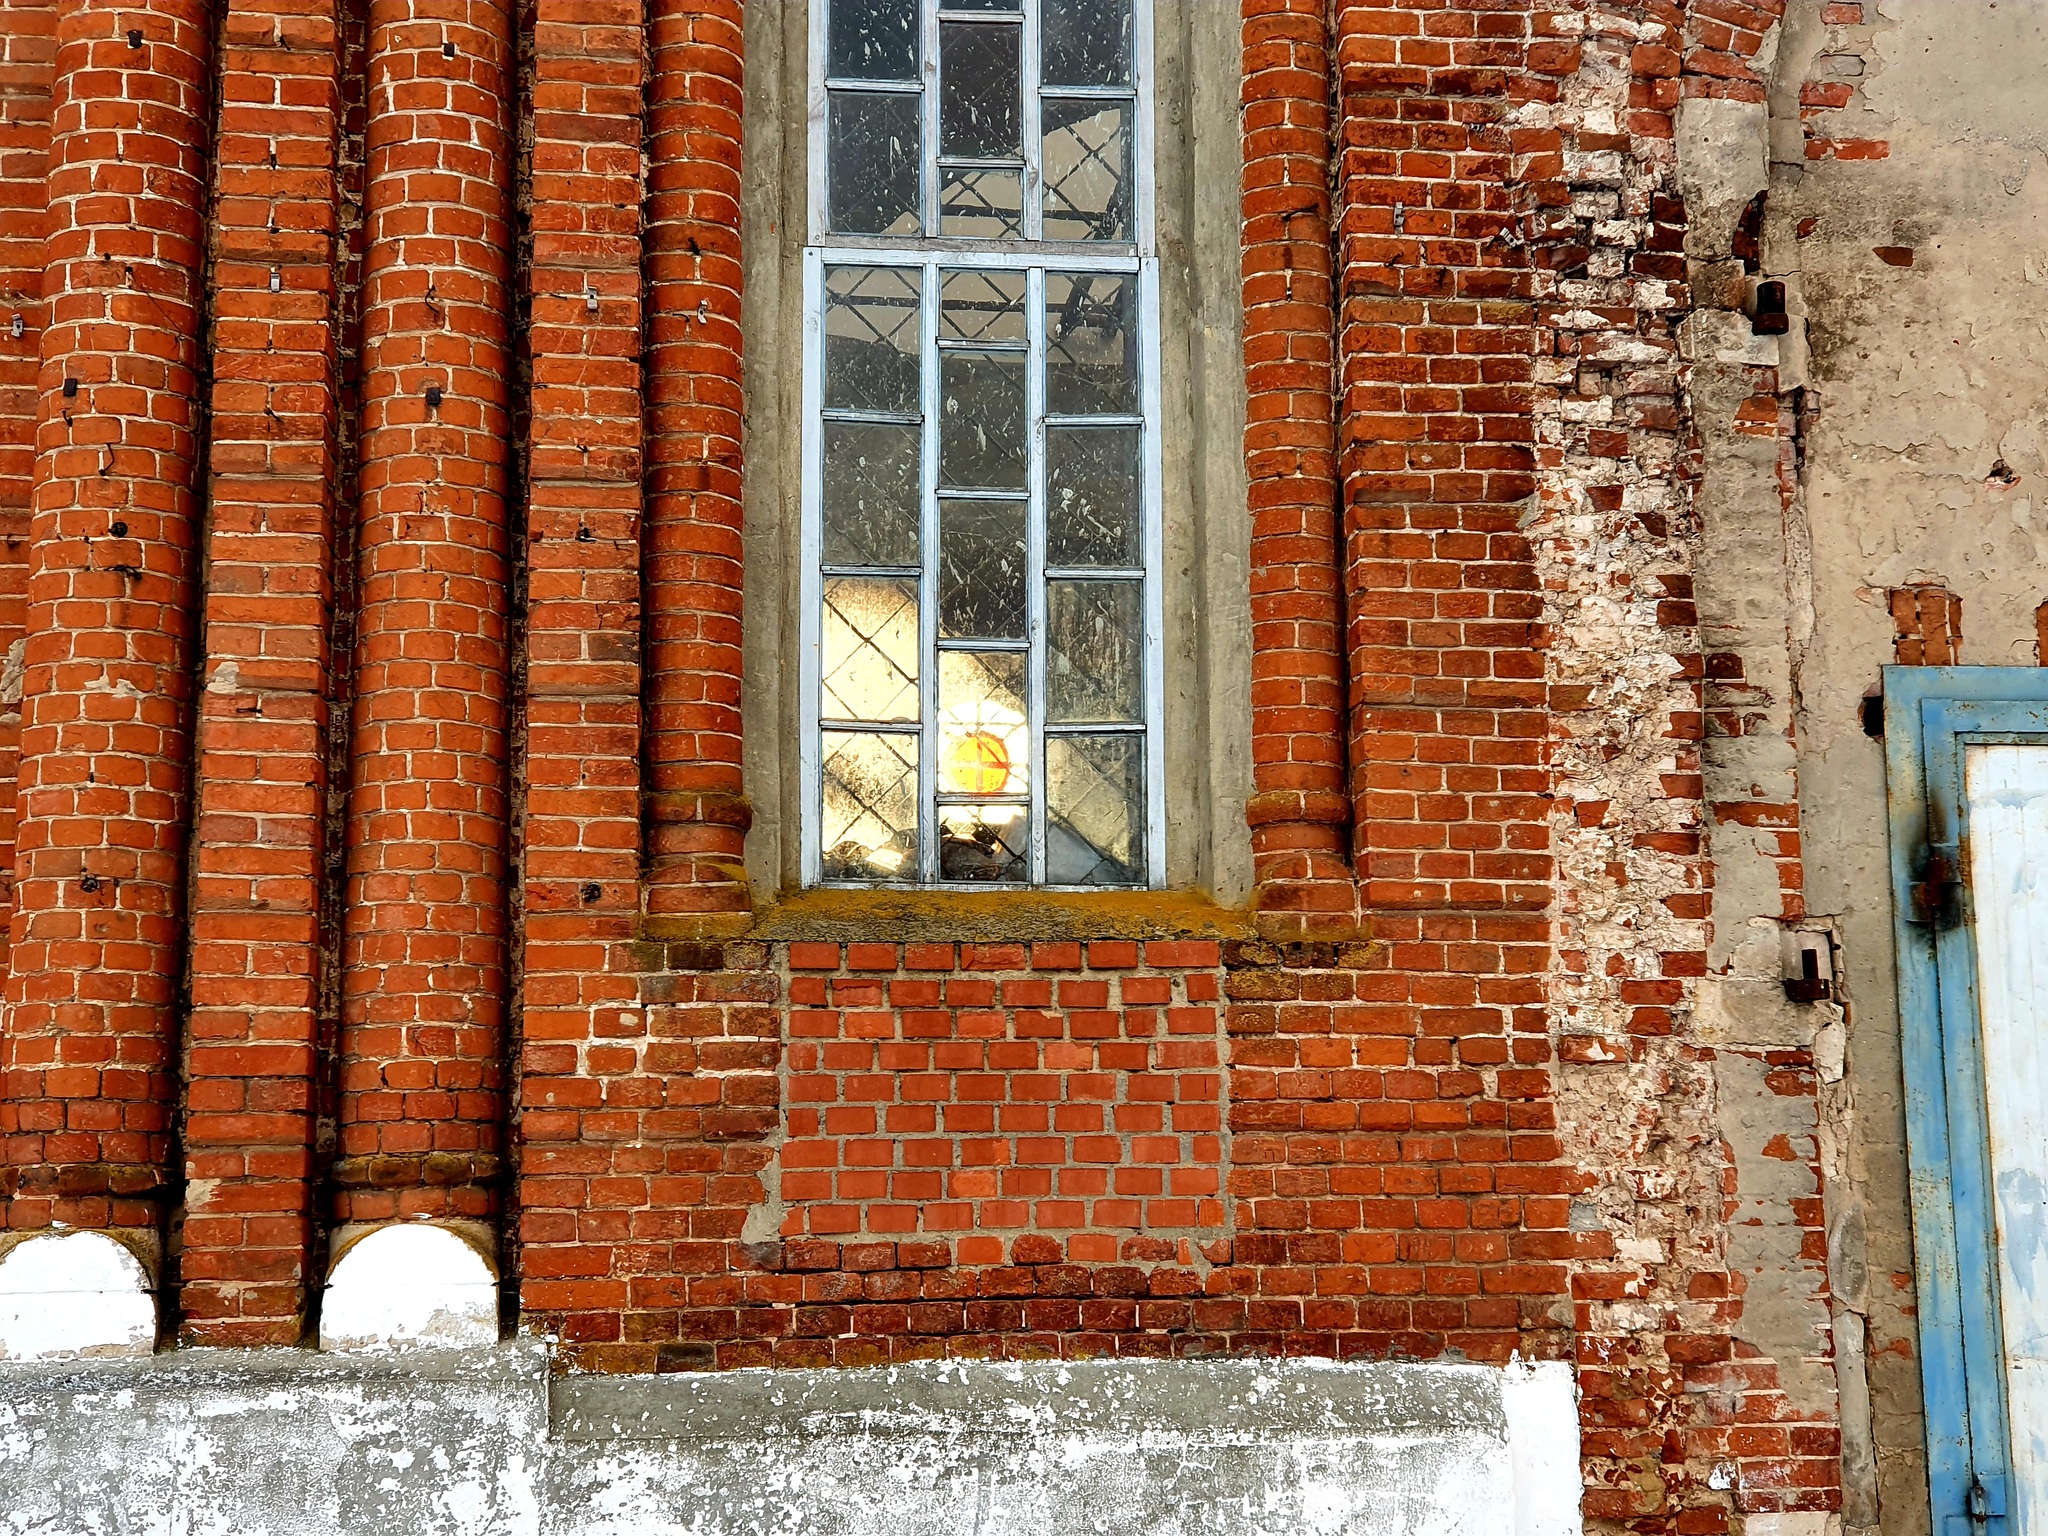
1540 1400
418 1287
64 1295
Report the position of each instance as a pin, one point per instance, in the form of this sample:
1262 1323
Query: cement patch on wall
482 1442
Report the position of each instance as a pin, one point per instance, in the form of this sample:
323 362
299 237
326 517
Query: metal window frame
1931 714
934 254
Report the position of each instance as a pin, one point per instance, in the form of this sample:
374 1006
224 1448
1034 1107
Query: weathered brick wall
261 758
1443 1089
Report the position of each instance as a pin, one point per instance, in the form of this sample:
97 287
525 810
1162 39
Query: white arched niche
411 1286
69 1294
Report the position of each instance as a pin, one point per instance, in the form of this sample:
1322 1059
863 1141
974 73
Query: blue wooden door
1967 777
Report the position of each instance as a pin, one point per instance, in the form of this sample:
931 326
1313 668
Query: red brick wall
97 946
985 1091
1370 1116
27 52
260 807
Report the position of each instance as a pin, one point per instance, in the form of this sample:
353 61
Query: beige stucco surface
1921 379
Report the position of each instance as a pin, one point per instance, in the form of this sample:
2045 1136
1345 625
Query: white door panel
2007 791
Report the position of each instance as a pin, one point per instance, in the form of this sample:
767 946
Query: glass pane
1086 152
979 203
1085 42
869 639
1095 810
869 830
870 493
984 745
982 306
872 40
984 842
874 161
981 570
1092 496
872 356
1094 651
1091 344
1008 7
981 420
979 91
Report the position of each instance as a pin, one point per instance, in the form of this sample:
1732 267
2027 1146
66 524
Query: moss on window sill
926 916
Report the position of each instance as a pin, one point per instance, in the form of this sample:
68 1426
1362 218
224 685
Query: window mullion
810 680
928 75
1155 564
1142 129
1034 546
1034 225
928 585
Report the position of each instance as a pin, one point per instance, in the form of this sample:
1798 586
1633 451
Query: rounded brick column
1300 812
90 1038
424 946
697 814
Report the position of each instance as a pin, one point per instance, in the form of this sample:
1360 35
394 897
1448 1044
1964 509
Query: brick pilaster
697 815
425 942
27 51
587 1174
261 765
1300 814
91 1023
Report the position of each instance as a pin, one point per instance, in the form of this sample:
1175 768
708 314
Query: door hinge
1937 891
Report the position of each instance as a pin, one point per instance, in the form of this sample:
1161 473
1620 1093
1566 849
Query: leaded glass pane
984 842
871 492
1086 156
869 804
1093 511
980 202
952 610
985 307
870 649
980 90
875 155
1085 42
982 441
872 40
984 738
1095 810
982 570
1091 344
872 357
1094 651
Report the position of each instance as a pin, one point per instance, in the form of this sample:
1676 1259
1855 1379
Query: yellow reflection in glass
979 764
984 748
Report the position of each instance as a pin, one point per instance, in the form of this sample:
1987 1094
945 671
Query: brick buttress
90 1036
424 947
697 814
260 764
1300 813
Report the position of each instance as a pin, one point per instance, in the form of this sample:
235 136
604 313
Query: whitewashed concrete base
482 1443
66 1295
407 1287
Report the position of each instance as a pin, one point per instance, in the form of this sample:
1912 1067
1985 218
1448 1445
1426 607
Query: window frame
932 255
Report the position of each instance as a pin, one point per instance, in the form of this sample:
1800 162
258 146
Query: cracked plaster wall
1911 446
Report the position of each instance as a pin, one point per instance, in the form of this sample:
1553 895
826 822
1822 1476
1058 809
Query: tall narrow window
982 670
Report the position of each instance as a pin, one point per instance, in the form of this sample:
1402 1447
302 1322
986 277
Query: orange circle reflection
979 764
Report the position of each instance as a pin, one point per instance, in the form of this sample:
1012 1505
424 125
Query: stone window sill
927 916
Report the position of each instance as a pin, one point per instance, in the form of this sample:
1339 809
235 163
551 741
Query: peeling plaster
485 1443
